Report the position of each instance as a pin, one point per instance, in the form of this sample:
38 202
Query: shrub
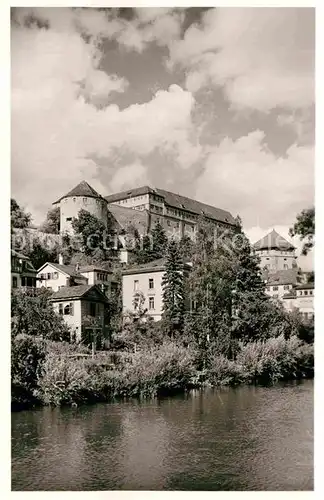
27 360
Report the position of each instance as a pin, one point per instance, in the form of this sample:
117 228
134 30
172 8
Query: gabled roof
283 277
177 201
290 295
82 189
78 292
93 267
65 269
273 241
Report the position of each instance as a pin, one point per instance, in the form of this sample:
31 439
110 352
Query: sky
216 104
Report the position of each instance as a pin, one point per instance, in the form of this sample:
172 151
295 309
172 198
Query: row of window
150 284
306 292
49 276
276 288
85 200
156 208
102 276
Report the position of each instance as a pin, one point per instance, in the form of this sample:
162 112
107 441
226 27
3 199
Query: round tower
275 252
82 197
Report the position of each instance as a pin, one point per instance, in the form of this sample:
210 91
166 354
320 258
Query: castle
142 208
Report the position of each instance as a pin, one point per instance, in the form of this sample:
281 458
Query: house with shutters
23 273
77 304
56 276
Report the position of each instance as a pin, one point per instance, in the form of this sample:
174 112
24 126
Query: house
305 300
23 273
97 275
79 303
280 283
147 280
55 276
275 252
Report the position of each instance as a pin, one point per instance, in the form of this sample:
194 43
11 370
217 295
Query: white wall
73 321
276 259
143 286
54 284
282 290
70 207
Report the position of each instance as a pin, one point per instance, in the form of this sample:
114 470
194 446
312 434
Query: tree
34 315
304 227
94 234
186 246
19 218
52 223
173 285
159 241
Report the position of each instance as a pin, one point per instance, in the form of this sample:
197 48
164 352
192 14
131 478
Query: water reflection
230 439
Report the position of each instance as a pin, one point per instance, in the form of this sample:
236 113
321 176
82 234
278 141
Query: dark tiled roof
274 241
124 217
82 189
68 269
283 277
290 295
177 201
153 266
87 269
305 286
77 292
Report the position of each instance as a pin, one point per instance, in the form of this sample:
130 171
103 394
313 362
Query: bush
27 360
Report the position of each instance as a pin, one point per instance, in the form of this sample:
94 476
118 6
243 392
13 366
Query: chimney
61 262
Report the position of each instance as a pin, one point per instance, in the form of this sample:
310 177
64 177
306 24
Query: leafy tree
39 254
159 241
173 285
94 234
304 227
186 246
19 218
52 222
34 315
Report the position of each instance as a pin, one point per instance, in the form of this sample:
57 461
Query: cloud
247 178
263 58
129 176
63 116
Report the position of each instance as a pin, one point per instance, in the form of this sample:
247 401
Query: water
249 438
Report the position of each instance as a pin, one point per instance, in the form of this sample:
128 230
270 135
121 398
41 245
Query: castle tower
82 197
275 252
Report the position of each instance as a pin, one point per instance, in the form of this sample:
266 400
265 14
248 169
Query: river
247 438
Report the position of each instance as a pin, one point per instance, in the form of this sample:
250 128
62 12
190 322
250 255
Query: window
151 283
68 219
286 287
14 282
268 288
49 276
151 303
305 292
74 199
60 308
85 200
92 308
310 292
275 288
55 276
135 285
68 309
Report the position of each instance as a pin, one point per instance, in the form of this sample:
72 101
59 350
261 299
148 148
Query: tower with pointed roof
275 252
81 197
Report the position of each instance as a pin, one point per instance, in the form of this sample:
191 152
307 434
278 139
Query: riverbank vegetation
218 328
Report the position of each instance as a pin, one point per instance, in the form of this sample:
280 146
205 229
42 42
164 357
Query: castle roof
82 189
273 241
177 201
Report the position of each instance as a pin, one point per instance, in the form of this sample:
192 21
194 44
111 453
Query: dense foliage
34 315
19 218
51 224
304 227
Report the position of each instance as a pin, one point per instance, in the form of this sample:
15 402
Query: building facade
23 273
77 304
276 253
147 281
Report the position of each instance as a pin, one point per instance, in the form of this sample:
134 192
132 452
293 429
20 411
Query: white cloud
56 129
129 176
262 57
248 179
